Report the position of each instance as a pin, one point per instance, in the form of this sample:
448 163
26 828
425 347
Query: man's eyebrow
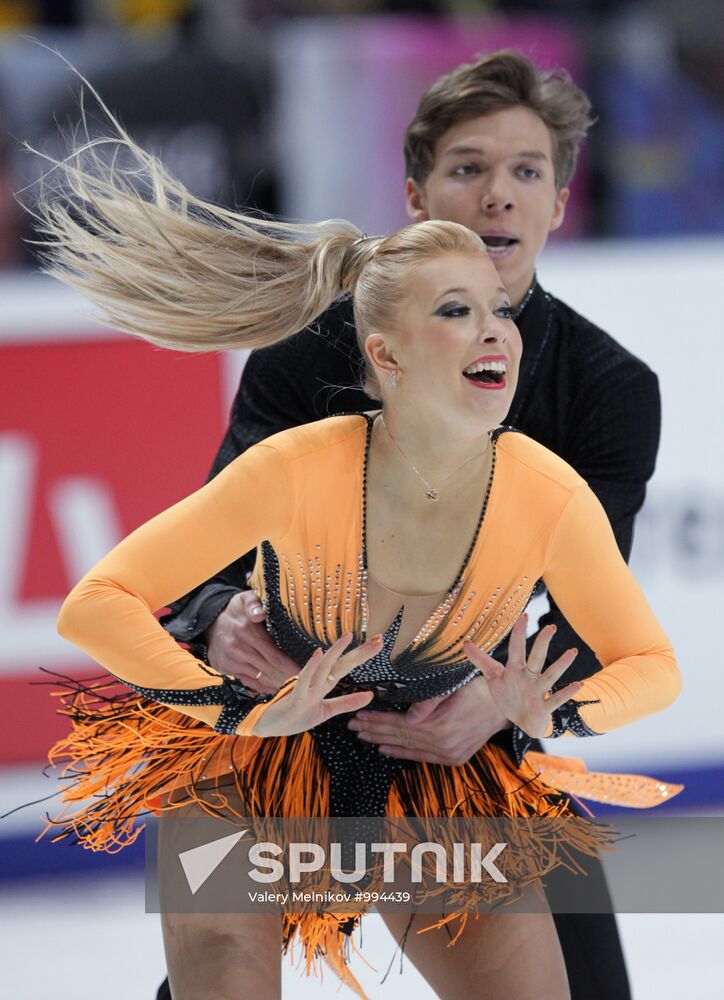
464 151
532 154
528 154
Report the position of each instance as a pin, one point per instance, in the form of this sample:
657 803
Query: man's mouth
499 244
487 374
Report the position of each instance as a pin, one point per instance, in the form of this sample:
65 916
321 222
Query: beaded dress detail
321 604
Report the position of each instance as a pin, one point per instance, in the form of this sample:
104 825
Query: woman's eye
453 311
505 312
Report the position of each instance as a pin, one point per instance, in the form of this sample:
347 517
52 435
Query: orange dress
300 497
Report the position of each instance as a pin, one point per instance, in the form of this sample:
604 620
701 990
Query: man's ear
416 202
559 211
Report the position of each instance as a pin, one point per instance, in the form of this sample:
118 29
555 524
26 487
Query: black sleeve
294 382
612 444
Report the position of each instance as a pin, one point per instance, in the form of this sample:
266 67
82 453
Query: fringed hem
547 835
127 756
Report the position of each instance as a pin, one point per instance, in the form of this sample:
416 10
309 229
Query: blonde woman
371 616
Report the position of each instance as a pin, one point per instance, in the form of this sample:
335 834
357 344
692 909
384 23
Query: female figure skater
396 549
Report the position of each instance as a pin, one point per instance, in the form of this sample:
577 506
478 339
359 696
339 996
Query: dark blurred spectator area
198 81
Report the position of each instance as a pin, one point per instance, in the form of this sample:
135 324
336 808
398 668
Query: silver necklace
431 492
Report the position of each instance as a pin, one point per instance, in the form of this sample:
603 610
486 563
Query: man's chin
516 279
507 262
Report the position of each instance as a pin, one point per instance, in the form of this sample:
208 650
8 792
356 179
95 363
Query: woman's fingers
539 649
346 703
556 670
489 667
325 668
332 655
561 697
339 664
516 643
308 672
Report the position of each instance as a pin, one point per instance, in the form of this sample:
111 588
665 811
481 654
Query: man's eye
505 312
530 173
453 311
465 169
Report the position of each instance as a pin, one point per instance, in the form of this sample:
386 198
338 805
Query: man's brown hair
504 79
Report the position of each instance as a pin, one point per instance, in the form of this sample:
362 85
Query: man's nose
498 194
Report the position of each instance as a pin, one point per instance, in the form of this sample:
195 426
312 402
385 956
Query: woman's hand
520 689
307 706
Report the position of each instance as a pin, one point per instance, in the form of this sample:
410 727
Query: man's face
495 175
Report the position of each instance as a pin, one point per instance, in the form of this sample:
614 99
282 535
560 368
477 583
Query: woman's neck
436 448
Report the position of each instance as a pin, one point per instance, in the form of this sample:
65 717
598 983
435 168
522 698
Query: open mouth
487 373
497 244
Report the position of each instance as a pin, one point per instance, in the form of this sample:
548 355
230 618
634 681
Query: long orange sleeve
551 521
109 613
598 594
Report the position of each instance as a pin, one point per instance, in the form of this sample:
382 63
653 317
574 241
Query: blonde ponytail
178 271
187 274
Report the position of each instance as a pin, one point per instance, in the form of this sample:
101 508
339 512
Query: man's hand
239 644
446 730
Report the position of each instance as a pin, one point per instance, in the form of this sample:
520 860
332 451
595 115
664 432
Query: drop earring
393 379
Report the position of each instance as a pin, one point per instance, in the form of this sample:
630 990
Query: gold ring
258 675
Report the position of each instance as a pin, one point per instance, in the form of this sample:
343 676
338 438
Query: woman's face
455 345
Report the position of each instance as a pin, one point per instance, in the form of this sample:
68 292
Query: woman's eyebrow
449 291
499 290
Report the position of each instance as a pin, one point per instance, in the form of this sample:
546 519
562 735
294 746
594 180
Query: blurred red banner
96 436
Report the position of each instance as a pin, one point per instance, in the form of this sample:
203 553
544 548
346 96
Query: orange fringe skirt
126 756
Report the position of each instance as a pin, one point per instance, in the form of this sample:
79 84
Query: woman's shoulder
538 461
331 432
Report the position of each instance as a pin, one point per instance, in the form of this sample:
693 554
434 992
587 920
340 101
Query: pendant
432 494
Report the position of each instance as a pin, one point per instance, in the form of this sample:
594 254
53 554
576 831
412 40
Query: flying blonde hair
184 273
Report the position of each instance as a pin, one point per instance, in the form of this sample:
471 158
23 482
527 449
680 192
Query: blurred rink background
298 107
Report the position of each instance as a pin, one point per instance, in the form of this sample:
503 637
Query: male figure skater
493 146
